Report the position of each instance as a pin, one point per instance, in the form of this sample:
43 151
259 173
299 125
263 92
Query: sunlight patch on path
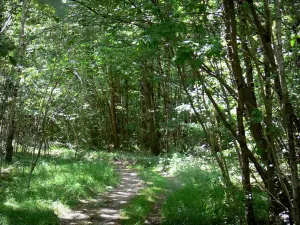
105 208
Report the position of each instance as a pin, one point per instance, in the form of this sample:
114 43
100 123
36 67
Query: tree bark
113 112
230 22
150 123
288 116
15 87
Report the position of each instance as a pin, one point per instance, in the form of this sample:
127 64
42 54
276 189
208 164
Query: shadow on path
105 209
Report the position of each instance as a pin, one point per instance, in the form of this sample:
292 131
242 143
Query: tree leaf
60 6
293 42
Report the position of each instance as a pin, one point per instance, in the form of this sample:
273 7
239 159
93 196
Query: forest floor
120 188
106 208
92 188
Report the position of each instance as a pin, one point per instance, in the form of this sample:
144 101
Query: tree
161 76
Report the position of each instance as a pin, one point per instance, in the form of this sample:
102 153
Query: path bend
105 209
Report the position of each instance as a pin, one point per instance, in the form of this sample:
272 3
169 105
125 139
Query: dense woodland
209 78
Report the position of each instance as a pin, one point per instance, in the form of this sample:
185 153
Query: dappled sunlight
19 216
139 207
57 184
111 214
106 208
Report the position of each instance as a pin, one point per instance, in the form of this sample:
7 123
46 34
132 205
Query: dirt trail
105 209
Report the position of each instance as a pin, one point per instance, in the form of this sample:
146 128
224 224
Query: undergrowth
196 194
203 199
58 182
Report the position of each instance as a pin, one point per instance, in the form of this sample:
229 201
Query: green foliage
216 49
184 53
202 198
58 182
167 30
256 116
294 39
60 6
196 63
97 59
6 45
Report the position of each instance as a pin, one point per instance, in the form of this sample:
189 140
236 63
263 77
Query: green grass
203 198
58 182
196 194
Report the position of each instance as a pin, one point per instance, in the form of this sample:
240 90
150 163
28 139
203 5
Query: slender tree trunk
41 127
230 22
126 113
166 92
288 116
113 112
14 91
153 132
148 105
1 17
9 142
209 134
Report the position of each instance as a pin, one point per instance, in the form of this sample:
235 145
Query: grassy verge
203 199
197 194
58 182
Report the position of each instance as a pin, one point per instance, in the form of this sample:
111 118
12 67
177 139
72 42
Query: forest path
155 217
105 208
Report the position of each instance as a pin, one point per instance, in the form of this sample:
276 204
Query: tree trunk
14 88
9 143
153 134
231 27
288 116
113 112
